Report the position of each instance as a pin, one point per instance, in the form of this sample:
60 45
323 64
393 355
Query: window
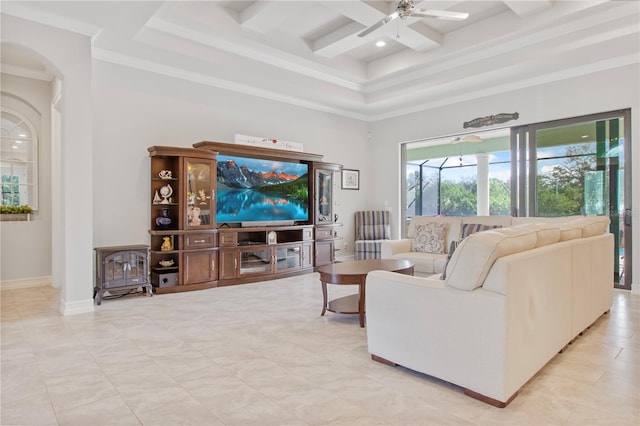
443 176
18 162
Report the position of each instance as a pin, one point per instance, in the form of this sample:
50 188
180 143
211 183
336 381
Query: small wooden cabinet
326 240
184 252
121 268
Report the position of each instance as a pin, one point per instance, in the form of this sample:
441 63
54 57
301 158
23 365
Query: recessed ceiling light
584 136
14 147
381 43
18 141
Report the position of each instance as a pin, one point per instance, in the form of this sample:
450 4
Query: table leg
361 304
324 298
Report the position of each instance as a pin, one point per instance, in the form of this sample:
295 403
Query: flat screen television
255 191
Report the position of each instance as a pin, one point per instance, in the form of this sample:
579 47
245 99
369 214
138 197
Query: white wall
589 94
134 110
69 55
25 252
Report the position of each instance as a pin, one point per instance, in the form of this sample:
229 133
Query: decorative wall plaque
491 120
268 143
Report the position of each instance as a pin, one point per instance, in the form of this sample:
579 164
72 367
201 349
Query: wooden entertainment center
189 250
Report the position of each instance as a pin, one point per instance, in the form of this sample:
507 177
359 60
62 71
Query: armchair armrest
392 247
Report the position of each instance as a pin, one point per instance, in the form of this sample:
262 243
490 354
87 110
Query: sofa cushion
453 226
368 249
502 221
452 249
429 238
424 263
471 228
476 254
373 225
569 231
546 232
593 225
521 220
374 232
547 235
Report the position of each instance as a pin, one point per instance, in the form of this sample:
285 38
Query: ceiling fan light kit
406 8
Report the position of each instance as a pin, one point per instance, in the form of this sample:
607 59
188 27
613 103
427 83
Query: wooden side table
355 273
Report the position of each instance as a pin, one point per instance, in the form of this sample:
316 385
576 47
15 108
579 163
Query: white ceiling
308 53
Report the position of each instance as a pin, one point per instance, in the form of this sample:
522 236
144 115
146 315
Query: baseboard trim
79 307
25 283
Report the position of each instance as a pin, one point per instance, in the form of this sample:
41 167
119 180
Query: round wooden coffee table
355 273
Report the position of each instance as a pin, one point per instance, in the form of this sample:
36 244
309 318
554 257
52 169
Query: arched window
18 161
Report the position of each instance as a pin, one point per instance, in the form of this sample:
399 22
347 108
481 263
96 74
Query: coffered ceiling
308 53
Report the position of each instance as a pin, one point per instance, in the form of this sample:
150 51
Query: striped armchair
371 228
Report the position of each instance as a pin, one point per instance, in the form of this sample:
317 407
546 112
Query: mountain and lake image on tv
259 190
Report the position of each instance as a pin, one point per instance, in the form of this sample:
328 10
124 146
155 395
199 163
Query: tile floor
260 354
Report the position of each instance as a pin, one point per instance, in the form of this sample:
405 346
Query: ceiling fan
407 8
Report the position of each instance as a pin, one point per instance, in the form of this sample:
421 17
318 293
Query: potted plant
15 213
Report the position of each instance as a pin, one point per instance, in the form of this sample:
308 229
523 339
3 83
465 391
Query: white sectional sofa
512 299
432 263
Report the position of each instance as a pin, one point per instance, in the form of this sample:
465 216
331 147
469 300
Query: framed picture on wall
350 179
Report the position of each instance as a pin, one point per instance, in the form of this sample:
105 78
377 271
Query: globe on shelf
166 192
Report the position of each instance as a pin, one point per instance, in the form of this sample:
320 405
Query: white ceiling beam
527 8
431 37
367 13
340 41
419 37
263 16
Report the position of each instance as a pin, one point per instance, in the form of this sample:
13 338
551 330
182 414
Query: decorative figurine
165 174
194 216
166 244
156 198
202 196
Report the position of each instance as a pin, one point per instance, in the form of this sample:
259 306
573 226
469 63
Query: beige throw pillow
430 238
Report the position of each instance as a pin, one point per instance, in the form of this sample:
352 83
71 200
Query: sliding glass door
576 167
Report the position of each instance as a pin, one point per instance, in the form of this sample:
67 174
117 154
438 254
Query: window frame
33 186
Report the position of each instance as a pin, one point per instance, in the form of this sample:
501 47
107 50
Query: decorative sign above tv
491 120
268 143
260 192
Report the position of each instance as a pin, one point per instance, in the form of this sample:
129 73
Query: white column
483 184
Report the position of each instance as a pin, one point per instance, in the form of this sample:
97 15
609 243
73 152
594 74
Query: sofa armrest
423 325
389 248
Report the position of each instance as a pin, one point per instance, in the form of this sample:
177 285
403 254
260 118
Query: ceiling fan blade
379 24
441 14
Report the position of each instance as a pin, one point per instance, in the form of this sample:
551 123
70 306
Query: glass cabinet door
324 193
288 257
200 202
255 261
